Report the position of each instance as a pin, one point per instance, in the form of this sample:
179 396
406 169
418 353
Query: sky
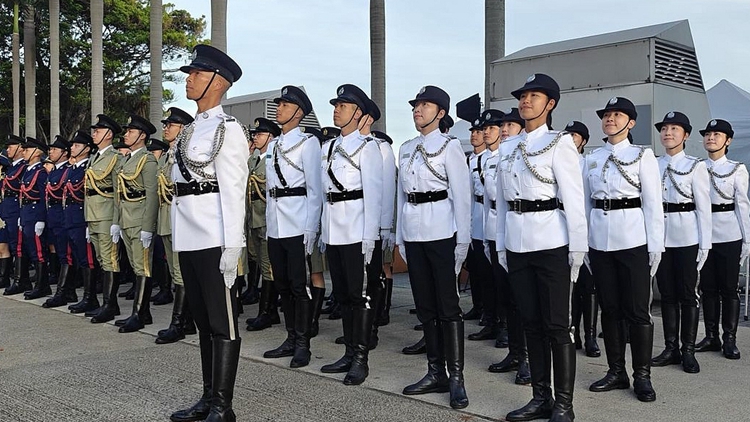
322 44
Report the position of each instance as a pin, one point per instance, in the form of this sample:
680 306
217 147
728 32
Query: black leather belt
681 207
195 188
92 192
493 204
25 201
479 198
348 195
282 192
722 207
53 201
520 206
617 204
254 196
422 197
135 194
10 194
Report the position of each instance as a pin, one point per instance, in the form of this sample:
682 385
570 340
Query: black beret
15 140
446 123
382 135
433 94
211 59
157 145
373 110
104 121
349 93
719 125
675 118
177 115
61 143
35 143
264 125
619 104
329 132
294 95
140 123
82 137
539 82
492 117
513 116
575 126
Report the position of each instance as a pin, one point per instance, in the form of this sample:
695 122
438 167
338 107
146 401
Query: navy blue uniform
10 209
78 251
56 233
33 210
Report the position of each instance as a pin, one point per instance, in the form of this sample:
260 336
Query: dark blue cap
313 131
82 137
433 94
539 82
619 104
211 59
294 95
477 124
329 132
349 93
157 145
513 116
137 122
446 123
719 125
104 121
61 143
675 118
177 115
35 143
266 126
382 135
492 117
575 126
373 110
15 140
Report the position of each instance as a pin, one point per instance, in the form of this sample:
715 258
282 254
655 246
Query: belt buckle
204 187
272 192
329 198
411 197
606 204
517 206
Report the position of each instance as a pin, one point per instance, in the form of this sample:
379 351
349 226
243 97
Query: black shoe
611 381
339 340
489 332
643 390
537 408
198 412
592 348
510 363
286 349
418 327
474 313
260 323
416 349
340 366
667 357
708 344
164 297
523 376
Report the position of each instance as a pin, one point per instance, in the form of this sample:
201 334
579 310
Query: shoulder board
228 118
556 132
690 157
308 135
370 138
448 136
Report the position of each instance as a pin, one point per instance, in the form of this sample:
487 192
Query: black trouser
585 284
677 276
480 271
433 279
541 286
288 260
720 275
623 284
347 266
214 307
504 293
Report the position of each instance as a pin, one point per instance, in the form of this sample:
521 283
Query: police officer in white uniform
687 231
731 241
293 220
542 247
208 220
626 236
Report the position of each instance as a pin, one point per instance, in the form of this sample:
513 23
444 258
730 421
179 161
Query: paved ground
55 366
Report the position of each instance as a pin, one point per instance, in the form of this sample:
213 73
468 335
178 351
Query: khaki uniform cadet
135 214
262 132
99 206
182 322
10 210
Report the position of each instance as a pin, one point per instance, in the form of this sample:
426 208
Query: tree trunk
97 59
219 24
377 59
494 41
29 70
54 64
16 72
155 44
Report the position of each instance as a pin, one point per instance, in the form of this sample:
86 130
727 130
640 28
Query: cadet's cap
619 104
539 82
575 126
119 143
718 125
35 143
61 143
446 123
349 93
477 124
177 115
433 94
313 131
675 118
382 135
15 140
513 116
104 121
294 95
157 145
373 110
329 132
82 137
211 59
140 123
264 125
492 117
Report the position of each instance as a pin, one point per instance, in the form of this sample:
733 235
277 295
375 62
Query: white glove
654 258
309 240
19 223
487 251
146 239
88 236
385 237
587 263
114 231
368 246
462 249
39 228
402 252
321 245
701 258
228 265
575 260
502 258
745 253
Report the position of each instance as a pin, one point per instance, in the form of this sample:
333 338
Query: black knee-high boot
453 349
41 288
141 314
176 330
268 313
89 302
687 336
6 266
20 282
363 320
111 308
436 380
302 323
199 411
226 358
564 361
64 287
318 293
712 342
614 347
345 362
730 317
670 314
641 344
540 406
287 347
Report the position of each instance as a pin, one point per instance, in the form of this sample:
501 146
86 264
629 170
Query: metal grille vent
678 65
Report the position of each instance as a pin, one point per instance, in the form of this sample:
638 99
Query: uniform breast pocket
200 150
529 175
433 172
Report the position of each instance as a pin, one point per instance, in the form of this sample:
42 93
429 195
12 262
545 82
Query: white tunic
731 179
628 228
490 188
440 219
213 219
691 178
476 174
536 231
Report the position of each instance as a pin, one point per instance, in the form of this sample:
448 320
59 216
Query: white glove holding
701 259
487 251
321 245
575 260
146 239
502 258
368 246
39 228
462 249
745 253
88 236
654 258
309 239
587 262
114 231
391 241
385 237
402 252
228 265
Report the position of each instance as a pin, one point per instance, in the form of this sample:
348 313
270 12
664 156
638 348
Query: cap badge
476 122
510 110
531 78
571 123
284 91
130 120
257 123
168 113
194 54
325 131
422 90
613 101
487 116
713 123
670 115
302 129
341 91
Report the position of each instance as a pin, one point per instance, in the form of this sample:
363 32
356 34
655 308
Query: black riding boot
63 290
614 347
89 302
268 313
141 312
317 303
384 312
730 317
515 332
176 330
590 313
6 265
53 268
540 406
453 349
20 283
160 275
436 380
641 344
416 349
363 320
287 347
41 288
345 362
302 323
670 314
564 362
576 311
226 358
687 336
111 308
251 295
712 342
199 411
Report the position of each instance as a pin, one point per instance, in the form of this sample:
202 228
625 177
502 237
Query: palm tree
219 24
377 58
494 40
155 44
29 69
16 71
97 59
54 67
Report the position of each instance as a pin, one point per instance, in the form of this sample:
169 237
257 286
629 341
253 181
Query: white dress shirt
686 228
491 161
536 231
628 228
213 219
292 216
476 174
348 222
389 186
731 178
440 219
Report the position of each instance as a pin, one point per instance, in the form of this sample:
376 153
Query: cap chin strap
290 119
621 130
431 121
540 114
681 144
496 140
205 90
352 118
136 139
721 147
